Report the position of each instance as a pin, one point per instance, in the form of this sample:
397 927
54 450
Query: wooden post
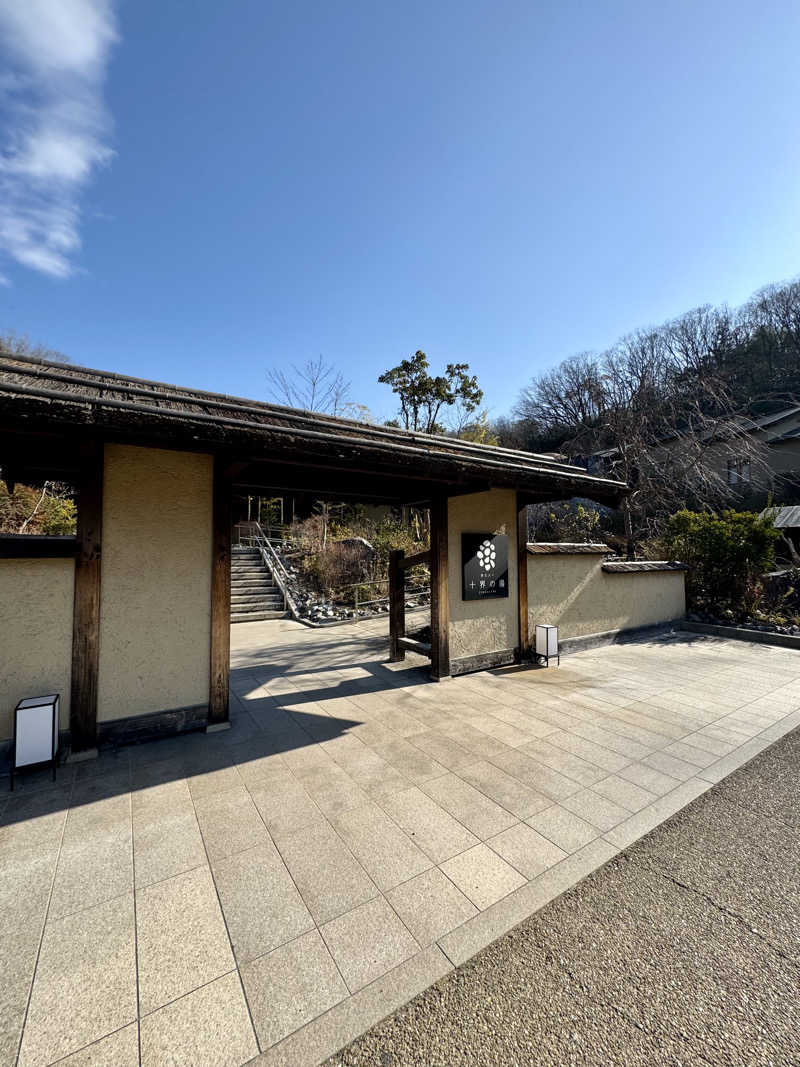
397 605
220 597
440 600
86 602
522 578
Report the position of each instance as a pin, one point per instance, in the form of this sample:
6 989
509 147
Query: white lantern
547 642
35 732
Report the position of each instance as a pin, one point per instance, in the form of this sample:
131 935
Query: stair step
254 583
257 616
256 604
249 594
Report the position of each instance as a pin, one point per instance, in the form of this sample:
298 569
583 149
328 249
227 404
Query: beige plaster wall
155 627
35 633
477 627
577 595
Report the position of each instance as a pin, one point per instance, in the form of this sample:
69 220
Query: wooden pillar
440 600
86 603
522 578
220 597
397 605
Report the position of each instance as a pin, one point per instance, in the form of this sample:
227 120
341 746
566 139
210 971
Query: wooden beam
86 601
220 596
397 605
332 481
440 599
522 576
412 645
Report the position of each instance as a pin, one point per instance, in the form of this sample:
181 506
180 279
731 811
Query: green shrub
332 563
727 554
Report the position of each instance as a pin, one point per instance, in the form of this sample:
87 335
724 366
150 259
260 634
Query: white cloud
56 127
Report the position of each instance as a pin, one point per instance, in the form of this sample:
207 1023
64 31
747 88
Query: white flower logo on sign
487 556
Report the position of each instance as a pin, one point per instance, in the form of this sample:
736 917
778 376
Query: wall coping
566 548
37 546
643 566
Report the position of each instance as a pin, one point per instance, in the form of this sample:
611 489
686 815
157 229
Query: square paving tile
260 902
285 806
120 1049
367 942
574 767
229 823
543 779
20 934
291 986
181 937
85 984
430 905
166 846
482 875
443 749
563 828
625 793
333 790
437 833
526 850
504 789
387 854
92 868
648 778
330 879
471 808
203 783
209 1026
597 810
410 761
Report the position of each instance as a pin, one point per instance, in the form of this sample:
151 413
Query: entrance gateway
130 619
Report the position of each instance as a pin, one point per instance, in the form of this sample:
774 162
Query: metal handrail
273 534
274 565
256 538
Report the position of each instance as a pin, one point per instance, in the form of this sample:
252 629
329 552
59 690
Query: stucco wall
577 595
156 581
35 633
480 626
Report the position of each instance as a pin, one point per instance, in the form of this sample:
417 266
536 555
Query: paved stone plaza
279 887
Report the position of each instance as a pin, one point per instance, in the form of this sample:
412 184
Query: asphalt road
684 949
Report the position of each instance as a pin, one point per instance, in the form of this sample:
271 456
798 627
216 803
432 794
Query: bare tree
565 397
656 414
314 386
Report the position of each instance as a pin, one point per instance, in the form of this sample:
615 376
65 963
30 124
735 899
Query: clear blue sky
196 192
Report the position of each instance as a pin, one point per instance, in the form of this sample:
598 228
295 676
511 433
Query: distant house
787 520
776 477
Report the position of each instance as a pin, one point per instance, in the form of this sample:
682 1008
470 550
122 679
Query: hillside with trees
752 352
663 407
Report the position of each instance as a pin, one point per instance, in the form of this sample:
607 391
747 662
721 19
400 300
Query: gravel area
682 950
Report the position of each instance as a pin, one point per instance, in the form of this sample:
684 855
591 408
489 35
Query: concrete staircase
254 594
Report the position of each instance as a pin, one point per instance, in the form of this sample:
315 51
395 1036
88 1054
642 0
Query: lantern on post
35 733
547 643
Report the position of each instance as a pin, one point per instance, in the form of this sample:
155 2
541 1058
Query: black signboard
484 566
